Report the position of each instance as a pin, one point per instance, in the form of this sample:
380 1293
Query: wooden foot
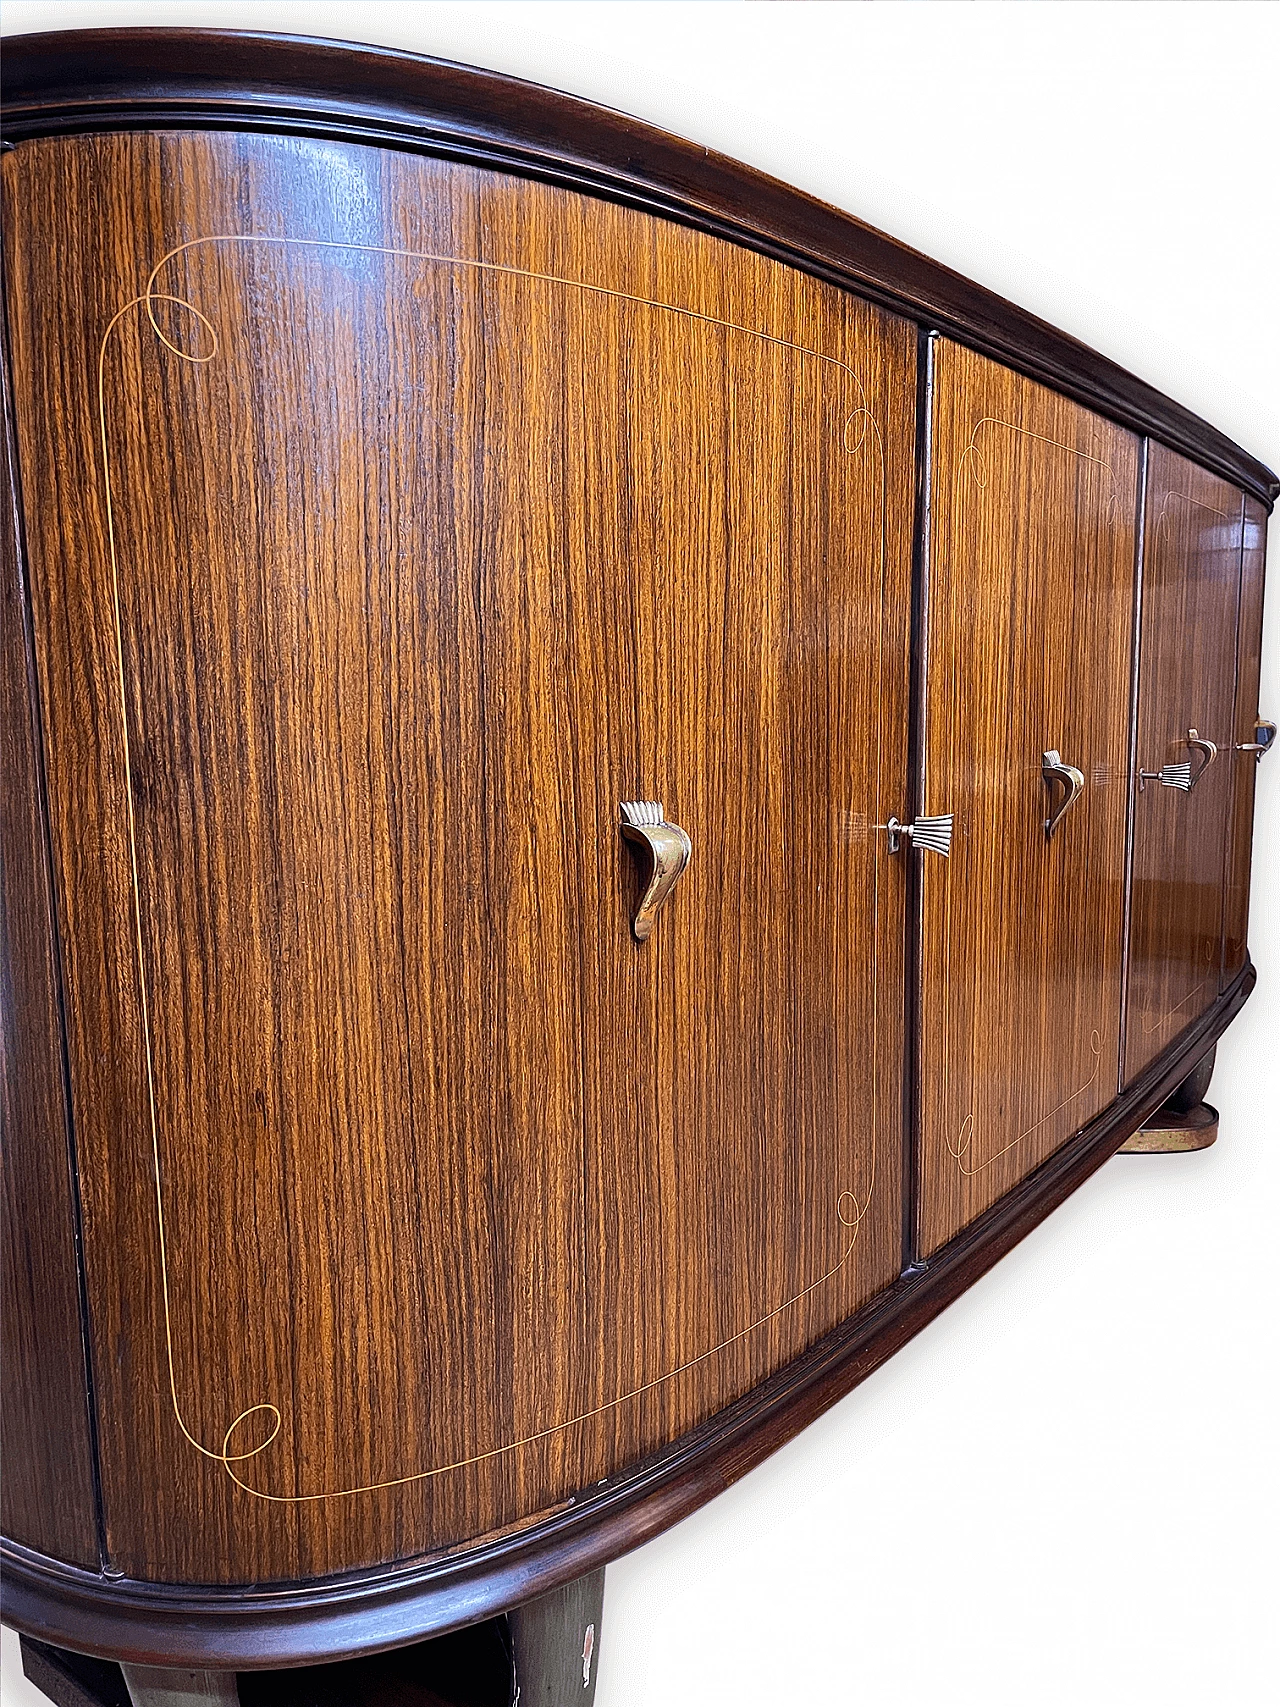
76 1680
1193 1131
1184 1121
152 1686
72 1680
555 1643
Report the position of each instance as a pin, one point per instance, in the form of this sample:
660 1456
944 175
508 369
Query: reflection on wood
393 521
1186 681
407 574
1242 764
1030 576
47 1490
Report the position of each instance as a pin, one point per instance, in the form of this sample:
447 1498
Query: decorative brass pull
1053 770
1207 749
1168 776
933 834
669 849
1258 748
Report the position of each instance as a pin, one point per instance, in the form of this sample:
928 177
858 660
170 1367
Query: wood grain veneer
1030 569
1187 667
71 81
160 1624
410 569
1244 765
448 507
47 1493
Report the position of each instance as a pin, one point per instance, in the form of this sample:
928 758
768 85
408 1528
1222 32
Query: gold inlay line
960 1148
852 1219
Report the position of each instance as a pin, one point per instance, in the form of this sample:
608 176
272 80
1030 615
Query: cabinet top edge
70 81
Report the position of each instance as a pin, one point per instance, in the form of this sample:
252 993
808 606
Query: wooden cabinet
430 492
1190 591
1030 598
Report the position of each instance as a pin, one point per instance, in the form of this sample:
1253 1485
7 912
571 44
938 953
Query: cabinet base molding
303 1624
543 1654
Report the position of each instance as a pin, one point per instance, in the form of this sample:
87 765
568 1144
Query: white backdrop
1065 1491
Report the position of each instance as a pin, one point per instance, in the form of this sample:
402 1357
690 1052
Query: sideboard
614 783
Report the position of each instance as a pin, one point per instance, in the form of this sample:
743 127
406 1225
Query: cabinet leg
1184 1121
156 1686
555 1643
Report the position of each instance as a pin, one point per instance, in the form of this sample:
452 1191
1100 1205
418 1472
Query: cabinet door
405 523
1243 760
1186 694
1030 597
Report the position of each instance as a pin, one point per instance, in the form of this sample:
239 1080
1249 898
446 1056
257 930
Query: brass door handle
1054 771
1168 776
932 835
1208 751
1258 748
668 848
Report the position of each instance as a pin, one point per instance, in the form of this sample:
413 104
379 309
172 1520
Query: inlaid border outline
79 82
148 299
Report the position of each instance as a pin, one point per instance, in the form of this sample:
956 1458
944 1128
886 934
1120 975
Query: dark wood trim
915 802
246 1628
78 80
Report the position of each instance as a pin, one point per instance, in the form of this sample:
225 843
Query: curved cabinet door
1030 596
1186 694
391 523
1243 761
46 1495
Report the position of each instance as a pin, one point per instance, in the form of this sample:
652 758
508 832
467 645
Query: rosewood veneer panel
48 1493
71 81
1244 765
1030 576
1186 680
445 511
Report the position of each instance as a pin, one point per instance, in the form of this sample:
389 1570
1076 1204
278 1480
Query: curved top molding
78 80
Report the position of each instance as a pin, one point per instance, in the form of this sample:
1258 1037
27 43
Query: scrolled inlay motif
859 429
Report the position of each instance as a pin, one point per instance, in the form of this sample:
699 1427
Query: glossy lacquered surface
1243 761
78 80
390 523
1186 682
48 1492
155 1624
392 515
1030 593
